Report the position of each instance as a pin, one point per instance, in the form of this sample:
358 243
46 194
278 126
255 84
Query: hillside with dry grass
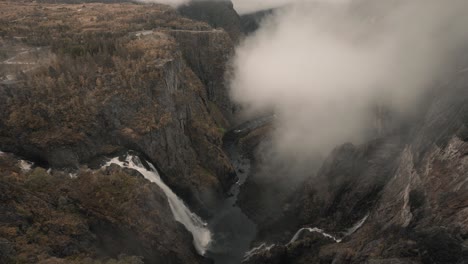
79 82
106 216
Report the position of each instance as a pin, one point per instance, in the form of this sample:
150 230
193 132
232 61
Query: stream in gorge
232 230
226 238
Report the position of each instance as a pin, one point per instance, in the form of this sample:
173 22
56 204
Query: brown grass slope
80 81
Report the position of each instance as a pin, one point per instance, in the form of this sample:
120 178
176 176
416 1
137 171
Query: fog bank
323 68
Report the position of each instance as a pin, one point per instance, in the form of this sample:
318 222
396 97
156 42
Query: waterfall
265 248
316 230
191 221
348 232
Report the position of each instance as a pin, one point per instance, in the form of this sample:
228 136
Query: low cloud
323 67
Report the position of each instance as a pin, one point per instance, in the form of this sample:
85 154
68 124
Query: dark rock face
97 216
412 184
349 183
209 62
218 14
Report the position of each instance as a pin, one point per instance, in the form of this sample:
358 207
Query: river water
232 230
226 237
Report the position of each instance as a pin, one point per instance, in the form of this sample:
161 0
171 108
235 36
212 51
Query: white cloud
322 68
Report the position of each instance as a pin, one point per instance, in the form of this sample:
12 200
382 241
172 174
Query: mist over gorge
368 99
325 67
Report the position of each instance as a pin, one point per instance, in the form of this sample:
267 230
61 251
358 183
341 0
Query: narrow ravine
227 236
232 230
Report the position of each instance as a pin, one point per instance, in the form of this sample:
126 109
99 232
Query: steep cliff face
111 83
209 62
97 216
218 14
407 189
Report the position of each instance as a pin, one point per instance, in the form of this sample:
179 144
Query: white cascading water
263 247
313 230
348 232
192 222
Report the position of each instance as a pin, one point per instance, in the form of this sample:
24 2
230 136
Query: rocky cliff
80 82
118 76
209 62
218 14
